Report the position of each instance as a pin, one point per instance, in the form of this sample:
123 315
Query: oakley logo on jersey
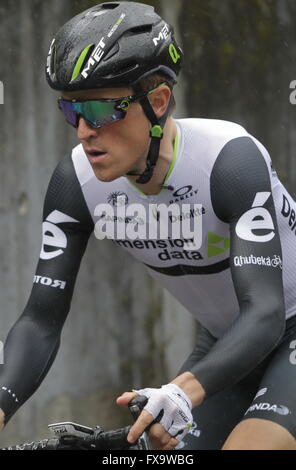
258 219
53 236
183 193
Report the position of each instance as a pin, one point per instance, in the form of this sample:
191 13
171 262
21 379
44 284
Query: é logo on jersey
53 236
256 218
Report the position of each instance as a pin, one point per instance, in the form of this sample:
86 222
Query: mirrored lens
70 114
96 113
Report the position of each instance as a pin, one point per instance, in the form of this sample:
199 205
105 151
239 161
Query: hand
159 438
192 387
2 418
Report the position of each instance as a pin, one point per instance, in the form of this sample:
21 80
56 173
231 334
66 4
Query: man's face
124 144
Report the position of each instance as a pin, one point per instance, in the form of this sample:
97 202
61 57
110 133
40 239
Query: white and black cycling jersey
200 278
239 283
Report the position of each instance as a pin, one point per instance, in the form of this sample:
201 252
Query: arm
185 379
33 342
241 196
204 343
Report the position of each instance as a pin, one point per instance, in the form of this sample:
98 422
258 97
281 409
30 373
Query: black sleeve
241 196
33 341
204 343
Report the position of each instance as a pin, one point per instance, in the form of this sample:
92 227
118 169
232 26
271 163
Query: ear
159 99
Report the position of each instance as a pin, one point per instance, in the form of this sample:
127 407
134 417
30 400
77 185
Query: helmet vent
146 28
112 52
125 70
109 6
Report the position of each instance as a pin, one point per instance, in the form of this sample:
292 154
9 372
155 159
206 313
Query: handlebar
73 436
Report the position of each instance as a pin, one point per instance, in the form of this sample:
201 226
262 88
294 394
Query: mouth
94 155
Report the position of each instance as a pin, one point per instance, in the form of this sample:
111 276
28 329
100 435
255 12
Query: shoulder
215 130
216 144
204 139
240 171
64 193
70 167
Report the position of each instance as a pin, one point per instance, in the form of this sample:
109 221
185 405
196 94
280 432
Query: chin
106 177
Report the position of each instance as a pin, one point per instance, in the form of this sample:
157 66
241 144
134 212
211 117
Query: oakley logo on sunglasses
94 58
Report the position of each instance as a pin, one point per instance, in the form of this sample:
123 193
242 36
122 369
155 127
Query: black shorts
268 392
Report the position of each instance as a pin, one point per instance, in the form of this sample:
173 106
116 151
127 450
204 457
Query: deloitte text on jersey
151 222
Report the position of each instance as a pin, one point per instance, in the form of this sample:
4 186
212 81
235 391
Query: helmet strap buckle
156 134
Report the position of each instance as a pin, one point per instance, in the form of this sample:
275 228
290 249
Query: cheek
130 136
136 128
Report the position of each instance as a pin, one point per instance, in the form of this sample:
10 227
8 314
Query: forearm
28 355
233 356
253 336
204 343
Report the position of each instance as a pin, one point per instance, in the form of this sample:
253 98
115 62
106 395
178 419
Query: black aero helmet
115 44
112 44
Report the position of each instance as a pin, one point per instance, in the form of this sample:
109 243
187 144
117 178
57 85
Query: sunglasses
99 112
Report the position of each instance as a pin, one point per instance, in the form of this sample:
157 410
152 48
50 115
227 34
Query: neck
166 154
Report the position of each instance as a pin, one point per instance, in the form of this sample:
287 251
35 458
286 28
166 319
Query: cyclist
115 66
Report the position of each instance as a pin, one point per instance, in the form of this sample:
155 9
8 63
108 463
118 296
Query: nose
85 130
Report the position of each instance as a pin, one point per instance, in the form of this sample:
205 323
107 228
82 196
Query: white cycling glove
170 407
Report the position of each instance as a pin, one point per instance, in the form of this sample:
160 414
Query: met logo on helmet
95 57
100 48
53 236
162 35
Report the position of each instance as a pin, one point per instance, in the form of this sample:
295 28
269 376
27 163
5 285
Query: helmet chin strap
156 134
